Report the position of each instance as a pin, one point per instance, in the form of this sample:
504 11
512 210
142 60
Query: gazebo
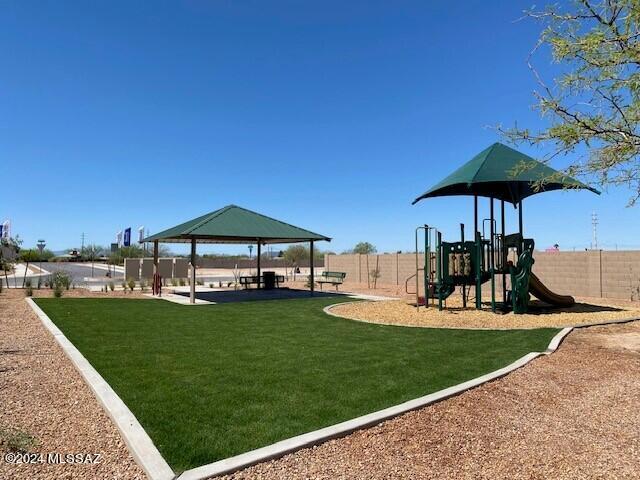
233 225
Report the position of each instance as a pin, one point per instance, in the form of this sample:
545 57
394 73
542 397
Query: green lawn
208 382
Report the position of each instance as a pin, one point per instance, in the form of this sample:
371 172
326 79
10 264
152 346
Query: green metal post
504 258
439 266
479 262
427 253
492 260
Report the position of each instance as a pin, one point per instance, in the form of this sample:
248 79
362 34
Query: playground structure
503 174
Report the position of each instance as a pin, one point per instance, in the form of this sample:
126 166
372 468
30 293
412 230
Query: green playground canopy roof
505 174
233 224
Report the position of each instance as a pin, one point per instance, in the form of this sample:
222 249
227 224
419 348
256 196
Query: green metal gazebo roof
505 174
233 224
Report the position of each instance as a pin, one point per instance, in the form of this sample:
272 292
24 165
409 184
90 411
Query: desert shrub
143 285
29 291
57 291
174 282
182 282
27 283
211 285
112 286
61 279
199 282
124 287
131 283
16 440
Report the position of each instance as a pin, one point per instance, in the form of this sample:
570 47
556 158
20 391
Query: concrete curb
139 443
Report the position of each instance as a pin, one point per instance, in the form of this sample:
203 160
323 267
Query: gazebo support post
258 259
192 294
312 279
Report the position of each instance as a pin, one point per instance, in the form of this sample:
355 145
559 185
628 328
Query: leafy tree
364 248
295 254
594 104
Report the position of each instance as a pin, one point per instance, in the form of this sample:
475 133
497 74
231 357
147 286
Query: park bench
247 281
333 278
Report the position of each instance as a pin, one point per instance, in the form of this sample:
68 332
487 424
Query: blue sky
329 115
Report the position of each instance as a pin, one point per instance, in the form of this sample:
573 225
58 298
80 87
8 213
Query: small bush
39 286
27 283
29 291
174 282
143 285
124 287
112 286
199 282
57 291
182 282
16 440
131 283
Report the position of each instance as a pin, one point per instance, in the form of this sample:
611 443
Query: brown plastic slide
542 293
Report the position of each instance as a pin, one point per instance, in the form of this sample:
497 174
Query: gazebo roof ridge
235 224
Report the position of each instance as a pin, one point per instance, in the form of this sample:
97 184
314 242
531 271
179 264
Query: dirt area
45 405
570 415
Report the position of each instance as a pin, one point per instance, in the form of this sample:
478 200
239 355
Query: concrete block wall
593 273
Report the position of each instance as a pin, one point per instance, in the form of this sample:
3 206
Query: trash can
269 279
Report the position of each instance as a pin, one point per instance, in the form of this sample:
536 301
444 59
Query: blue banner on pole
127 237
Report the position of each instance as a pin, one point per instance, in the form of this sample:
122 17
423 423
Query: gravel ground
42 395
571 415
399 312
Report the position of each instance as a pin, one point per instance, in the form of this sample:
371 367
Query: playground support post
439 265
475 215
464 292
427 249
520 246
504 257
492 257
427 255
479 258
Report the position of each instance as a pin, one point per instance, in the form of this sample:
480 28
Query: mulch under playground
400 312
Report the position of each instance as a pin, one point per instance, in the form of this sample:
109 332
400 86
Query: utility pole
594 233
82 247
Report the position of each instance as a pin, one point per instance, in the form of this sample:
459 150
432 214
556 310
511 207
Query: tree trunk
24 278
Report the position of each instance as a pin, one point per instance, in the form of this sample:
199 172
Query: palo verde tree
593 106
